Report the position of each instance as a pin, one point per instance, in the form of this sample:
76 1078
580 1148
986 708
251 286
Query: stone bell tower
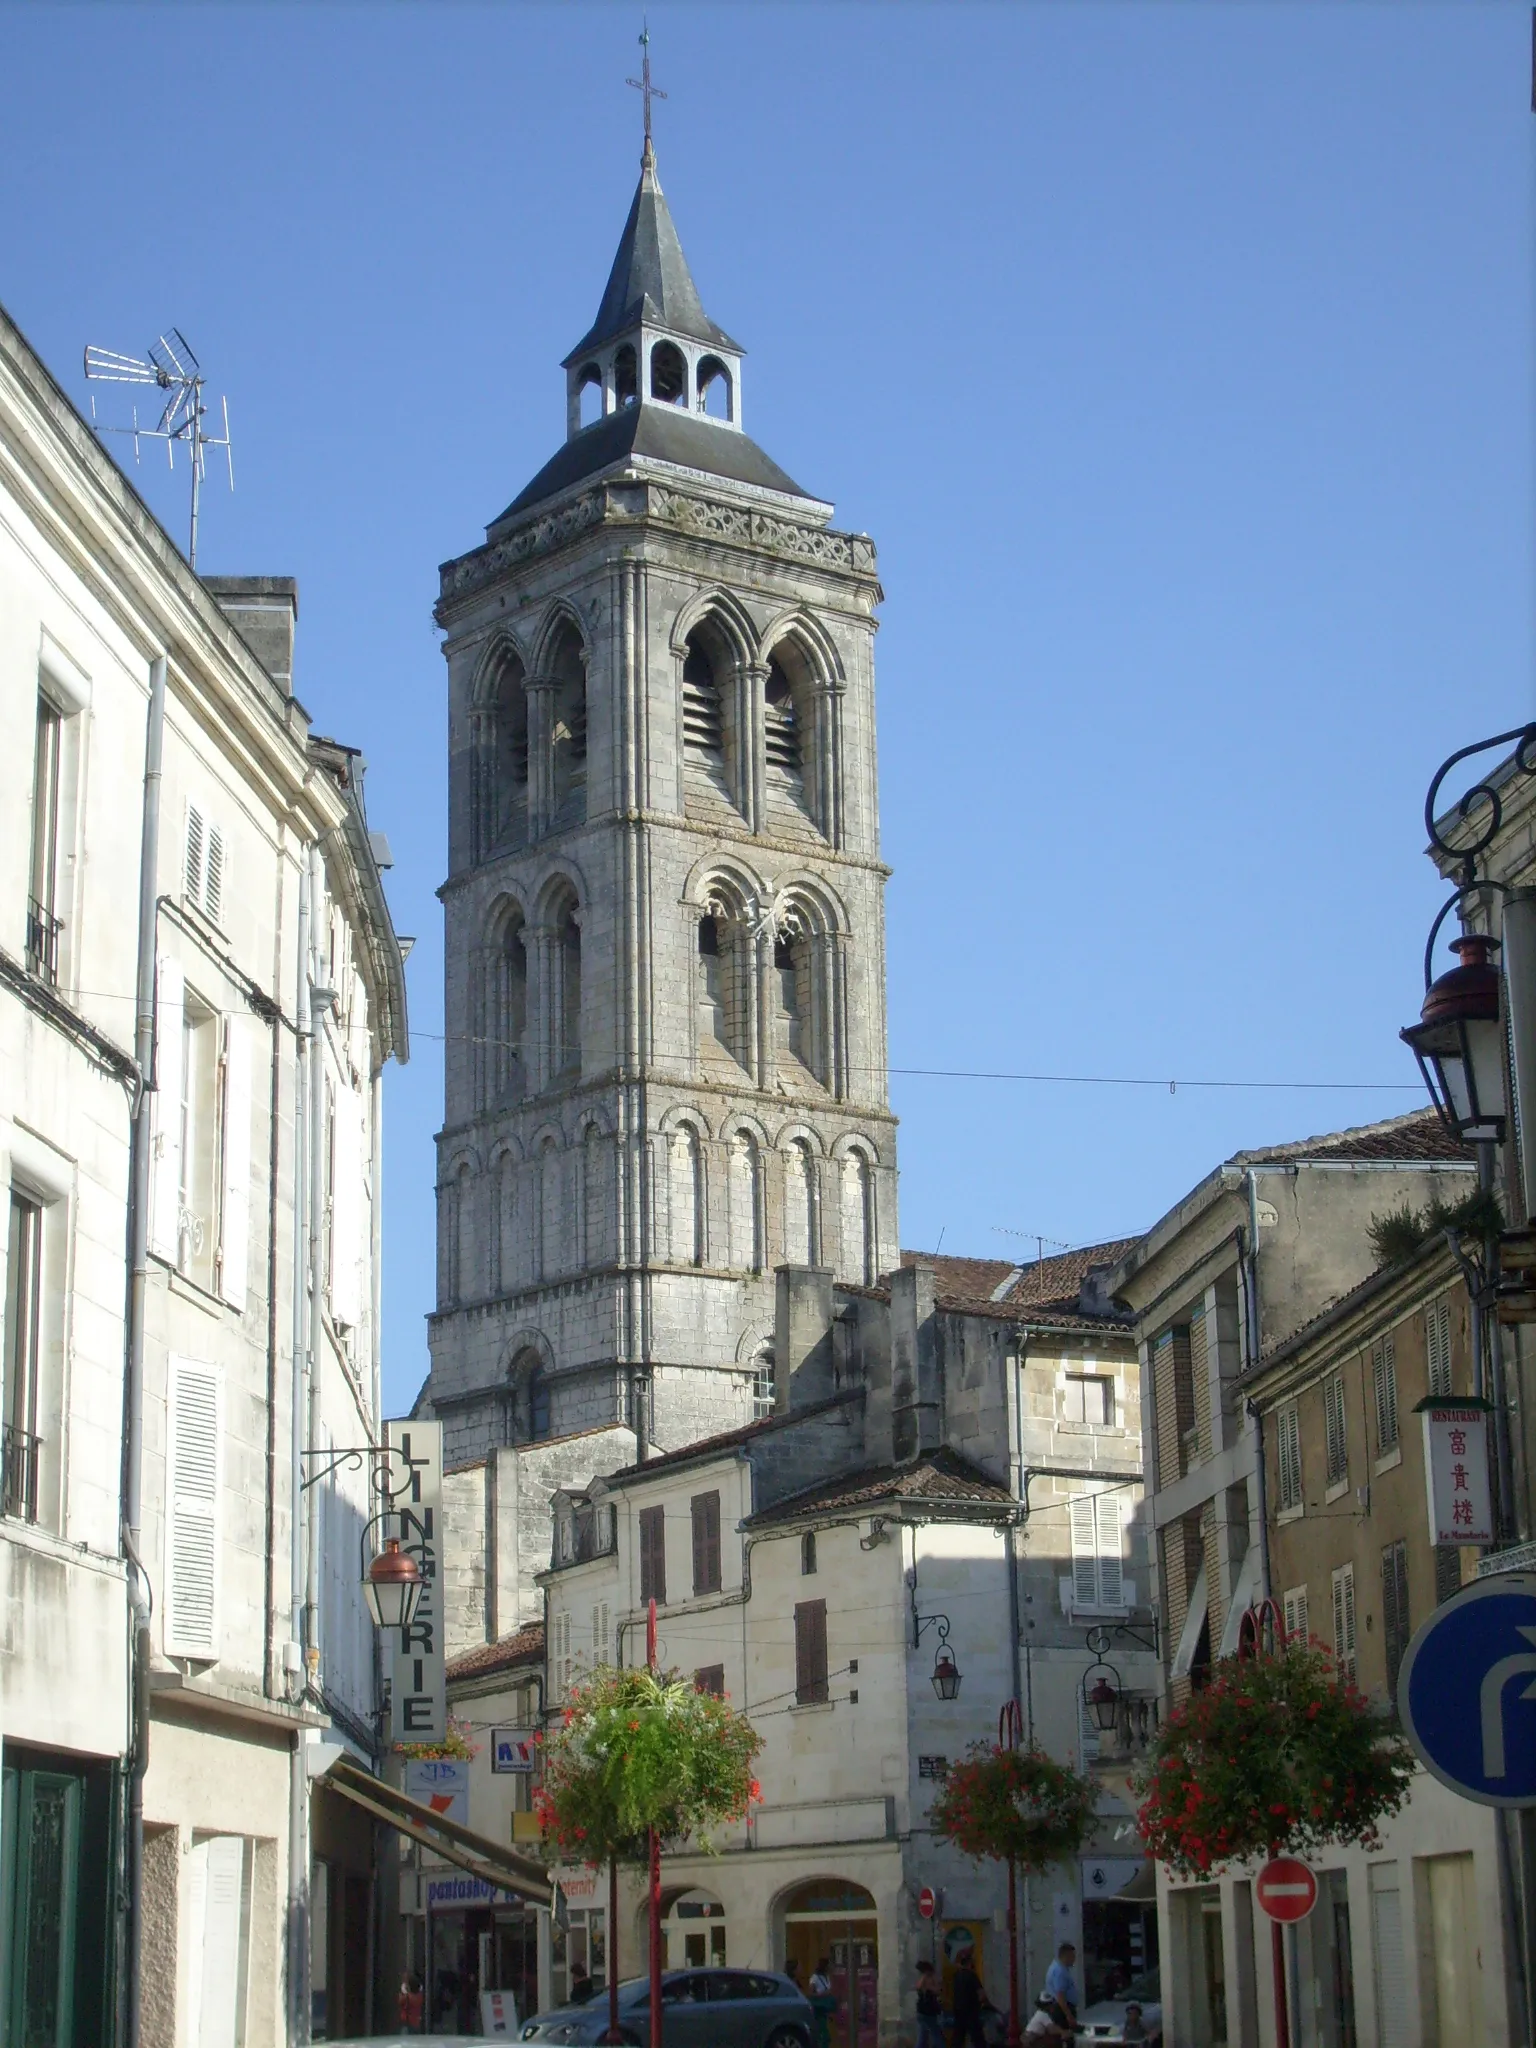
666 1062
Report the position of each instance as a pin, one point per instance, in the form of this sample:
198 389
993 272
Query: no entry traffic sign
1286 1889
927 1904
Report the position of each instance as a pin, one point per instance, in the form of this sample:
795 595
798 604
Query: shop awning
481 1857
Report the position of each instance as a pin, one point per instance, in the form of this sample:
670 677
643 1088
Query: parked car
1105 2022
699 2009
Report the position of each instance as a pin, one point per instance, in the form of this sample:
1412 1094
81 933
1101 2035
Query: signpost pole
655 1871
1010 1733
613 1949
1277 1951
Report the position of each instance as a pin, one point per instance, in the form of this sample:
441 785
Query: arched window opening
565 997
530 1397
808 1554
669 374
715 394
591 394
685 1196
568 730
799 1205
745 1193
464 1239
500 752
507 1263
552 1236
595 1183
538 1405
791 1007
703 709
506 1013
721 989
626 386
858 1220
781 727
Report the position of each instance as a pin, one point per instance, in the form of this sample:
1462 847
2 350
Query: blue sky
1178 358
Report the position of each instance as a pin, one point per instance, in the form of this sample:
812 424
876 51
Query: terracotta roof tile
525 1647
1418 1135
941 1476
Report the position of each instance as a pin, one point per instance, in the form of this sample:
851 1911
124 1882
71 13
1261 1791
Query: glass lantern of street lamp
1104 1705
393 1584
1459 1042
946 1674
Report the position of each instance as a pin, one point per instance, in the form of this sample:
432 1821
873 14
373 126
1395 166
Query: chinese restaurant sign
1456 1471
419 1691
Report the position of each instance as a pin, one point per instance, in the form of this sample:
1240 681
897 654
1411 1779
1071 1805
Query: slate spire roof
650 279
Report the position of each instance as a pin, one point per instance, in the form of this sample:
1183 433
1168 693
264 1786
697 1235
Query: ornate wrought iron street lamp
393 1585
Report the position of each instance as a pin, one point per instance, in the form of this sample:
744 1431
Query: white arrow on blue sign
1467 1691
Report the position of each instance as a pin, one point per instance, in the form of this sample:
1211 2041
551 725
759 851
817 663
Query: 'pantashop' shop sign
419 1690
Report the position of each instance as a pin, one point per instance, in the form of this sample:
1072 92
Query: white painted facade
265 892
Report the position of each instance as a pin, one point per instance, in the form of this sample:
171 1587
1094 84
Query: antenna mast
174 369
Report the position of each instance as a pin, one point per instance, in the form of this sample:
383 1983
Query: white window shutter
235 1207
346 1210
1111 1576
213 874
194 1443
197 841
1085 1552
165 1154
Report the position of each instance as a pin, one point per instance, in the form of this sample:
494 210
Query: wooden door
1458 1956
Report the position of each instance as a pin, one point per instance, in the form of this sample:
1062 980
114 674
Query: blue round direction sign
1467 1691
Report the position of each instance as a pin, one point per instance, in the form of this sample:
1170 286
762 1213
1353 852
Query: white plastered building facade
264 896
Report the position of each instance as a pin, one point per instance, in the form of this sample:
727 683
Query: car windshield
1142 1990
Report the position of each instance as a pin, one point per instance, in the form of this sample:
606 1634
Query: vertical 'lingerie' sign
419 1691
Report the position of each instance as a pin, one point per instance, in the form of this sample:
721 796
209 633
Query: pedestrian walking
930 2008
966 2002
1061 1984
823 2004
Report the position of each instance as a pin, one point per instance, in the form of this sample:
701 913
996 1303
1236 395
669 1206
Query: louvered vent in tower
781 730
703 720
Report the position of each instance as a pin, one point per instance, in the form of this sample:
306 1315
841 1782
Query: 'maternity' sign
419 1688
1456 1470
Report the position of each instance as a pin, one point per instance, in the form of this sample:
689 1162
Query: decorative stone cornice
714 519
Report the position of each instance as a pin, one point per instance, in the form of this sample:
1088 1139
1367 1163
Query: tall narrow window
1333 1429
653 1555
1384 1386
781 728
808 1554
602 1634
790 1009
552 1240
810 1653
561 1656
1344 1622
595 1178
42 901
704 1510
858 1189
764 1399
568 730
1396 1627
1437 1340
23 1355
505 1054
538 1404
203 875
1288 1455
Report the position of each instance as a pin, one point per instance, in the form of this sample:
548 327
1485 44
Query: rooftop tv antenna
172 368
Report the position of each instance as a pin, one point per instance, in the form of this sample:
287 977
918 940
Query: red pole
1282 2022
613 1950
656 2041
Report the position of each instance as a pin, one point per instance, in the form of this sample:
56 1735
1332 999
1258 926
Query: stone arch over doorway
833 1919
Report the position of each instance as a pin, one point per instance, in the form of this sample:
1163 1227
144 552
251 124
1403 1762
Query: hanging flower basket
1275 1757
637 1750
1014 1805
455 1743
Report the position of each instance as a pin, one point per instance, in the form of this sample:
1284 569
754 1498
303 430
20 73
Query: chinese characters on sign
1456 1472
419 1690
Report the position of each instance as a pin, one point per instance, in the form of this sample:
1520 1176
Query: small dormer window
669 374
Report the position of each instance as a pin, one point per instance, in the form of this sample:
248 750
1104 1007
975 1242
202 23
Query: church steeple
652 342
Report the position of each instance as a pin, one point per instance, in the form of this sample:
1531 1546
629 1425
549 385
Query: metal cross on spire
647 91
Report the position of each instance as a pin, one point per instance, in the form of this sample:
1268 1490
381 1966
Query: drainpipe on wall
298 1775
1248 1261
321 998
133 1386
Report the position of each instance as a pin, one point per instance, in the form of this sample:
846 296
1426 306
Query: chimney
916 1415
264 611
802 1337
